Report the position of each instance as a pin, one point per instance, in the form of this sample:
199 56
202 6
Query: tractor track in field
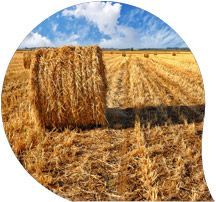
118 85
178 95
189 76
178 90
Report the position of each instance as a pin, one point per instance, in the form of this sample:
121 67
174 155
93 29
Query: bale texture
27 59
146 55
68 87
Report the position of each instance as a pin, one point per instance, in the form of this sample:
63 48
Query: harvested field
151 148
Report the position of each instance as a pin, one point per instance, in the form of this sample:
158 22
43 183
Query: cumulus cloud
125 37
102 14
106 15
107 24
66 39
153 35
34 39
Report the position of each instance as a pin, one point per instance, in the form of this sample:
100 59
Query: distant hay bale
173 54
27 59
146 55
124 54
155 53
68 87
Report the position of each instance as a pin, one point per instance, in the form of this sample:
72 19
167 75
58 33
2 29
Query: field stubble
157 157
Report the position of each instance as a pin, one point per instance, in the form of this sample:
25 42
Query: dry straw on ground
27 59
138 94
157 157
68 87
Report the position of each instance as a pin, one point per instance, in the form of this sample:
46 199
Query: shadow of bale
155 116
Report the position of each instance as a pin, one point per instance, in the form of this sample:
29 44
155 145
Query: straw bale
68 87
27 59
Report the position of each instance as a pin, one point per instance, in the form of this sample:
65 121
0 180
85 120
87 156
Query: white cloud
35 39
125 37
128 37
102 14
162 38
105 16
149 37
65 39
54 27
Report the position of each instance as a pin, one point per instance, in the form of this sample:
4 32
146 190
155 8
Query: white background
194 20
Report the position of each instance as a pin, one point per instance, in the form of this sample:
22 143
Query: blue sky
107 24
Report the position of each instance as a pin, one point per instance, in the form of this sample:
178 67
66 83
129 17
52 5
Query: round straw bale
146 55
68 87
124 54
27 59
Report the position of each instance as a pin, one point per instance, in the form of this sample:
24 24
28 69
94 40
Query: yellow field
151 149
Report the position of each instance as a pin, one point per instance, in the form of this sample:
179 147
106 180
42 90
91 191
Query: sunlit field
150 148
